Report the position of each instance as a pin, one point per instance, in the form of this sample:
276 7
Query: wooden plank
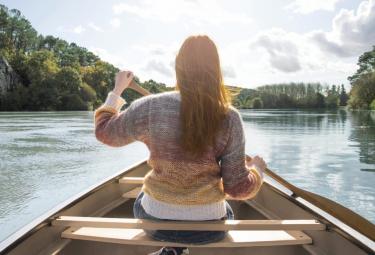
131 180
132 193
100 222
233 238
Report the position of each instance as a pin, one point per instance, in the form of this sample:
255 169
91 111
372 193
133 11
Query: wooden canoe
281 220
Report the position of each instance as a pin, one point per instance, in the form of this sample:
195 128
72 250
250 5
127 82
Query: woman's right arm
241 180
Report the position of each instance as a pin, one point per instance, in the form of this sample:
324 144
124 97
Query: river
46 157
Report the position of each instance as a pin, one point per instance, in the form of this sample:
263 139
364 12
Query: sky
259 42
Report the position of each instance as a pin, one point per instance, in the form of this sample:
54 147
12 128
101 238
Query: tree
101 77
372 105
257 103
320 102
40 66
72 102
87 93
366 63
332 101
42 96
362 92
54 74
68 80
343 96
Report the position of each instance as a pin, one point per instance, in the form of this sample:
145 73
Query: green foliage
291 95
41 65
363 92
372 105
343 96
87 93
55 74
242 97
332 99
366 63
16 32
257 103
72 102
100 76
68 80
42 96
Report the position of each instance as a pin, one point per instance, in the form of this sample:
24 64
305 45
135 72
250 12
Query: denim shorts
177 236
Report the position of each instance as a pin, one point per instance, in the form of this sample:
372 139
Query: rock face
9 79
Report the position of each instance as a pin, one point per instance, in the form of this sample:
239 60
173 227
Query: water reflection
321 151
363 132
46 158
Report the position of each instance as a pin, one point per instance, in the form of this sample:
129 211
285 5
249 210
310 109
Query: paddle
338 211
139 89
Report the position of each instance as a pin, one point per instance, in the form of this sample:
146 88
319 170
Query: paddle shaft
138 88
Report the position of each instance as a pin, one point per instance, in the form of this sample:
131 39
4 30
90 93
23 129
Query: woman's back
177 177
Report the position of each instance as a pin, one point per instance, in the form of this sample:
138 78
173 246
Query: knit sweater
176 178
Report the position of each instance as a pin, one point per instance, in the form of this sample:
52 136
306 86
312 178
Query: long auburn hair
204 98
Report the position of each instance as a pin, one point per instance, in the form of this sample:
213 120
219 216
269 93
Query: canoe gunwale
330 225
46 219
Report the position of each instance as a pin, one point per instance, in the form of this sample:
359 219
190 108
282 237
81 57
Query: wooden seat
242 233
219 225
245 233
233 238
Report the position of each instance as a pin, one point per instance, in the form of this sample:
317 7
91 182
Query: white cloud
352 31
283 51
79 29
228 71
157 49
277 56
272 56
109 57
309 6
159 67
159 59
197 12
115 22
93 26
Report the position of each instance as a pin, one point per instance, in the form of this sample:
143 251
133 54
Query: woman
196 142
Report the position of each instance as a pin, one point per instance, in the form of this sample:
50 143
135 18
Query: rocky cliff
9 79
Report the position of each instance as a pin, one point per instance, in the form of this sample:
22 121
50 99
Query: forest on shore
53 74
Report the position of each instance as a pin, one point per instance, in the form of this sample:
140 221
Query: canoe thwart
239 225
131 180
232 239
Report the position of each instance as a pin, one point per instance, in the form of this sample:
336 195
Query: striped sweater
177 179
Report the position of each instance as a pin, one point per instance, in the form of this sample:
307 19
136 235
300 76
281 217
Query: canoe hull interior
107 200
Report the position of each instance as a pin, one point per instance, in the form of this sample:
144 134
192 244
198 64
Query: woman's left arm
119 129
